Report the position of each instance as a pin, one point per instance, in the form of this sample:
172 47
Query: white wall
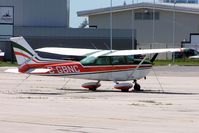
185 24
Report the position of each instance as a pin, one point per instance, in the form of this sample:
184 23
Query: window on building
147 15
157 15
180 1
138 16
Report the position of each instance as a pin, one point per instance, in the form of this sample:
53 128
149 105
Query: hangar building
39 12
173 23
46 23
30 17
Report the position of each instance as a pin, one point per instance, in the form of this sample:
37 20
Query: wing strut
137 67
154 58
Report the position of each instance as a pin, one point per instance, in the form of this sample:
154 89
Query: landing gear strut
137 87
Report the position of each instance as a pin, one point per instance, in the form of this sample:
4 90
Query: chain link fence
164 56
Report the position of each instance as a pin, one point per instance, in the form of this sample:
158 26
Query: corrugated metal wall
185 23
39 12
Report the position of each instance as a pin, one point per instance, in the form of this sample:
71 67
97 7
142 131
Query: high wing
144 52
93 52
68 51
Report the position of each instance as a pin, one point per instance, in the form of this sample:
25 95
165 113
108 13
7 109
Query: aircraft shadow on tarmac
67 91
42 93
142 91
165 92
63 127
87 91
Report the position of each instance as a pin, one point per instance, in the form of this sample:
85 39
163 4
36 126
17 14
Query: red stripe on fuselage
76 68
26 67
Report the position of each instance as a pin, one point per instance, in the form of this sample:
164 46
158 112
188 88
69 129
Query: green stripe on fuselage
21 48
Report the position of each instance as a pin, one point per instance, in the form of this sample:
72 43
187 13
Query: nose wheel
136 87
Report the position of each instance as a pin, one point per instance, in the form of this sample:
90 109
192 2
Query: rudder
22 50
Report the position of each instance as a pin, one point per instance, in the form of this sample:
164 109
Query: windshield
111 60
88 60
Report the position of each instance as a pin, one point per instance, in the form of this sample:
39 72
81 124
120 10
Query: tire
125 90
137 87
92 89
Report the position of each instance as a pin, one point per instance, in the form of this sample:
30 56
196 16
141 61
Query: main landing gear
92 86
124 87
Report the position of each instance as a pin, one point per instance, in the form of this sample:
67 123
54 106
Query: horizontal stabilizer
2 53
14 70
39 71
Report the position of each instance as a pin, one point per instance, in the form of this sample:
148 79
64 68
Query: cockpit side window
130 59
103 60
118 60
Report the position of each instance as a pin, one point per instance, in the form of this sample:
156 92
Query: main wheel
92 89
125 90
137 87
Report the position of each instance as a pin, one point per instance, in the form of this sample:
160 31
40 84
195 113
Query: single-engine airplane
98 65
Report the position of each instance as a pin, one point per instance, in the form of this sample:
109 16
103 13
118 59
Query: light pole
133 28
111 26
174 28
153 21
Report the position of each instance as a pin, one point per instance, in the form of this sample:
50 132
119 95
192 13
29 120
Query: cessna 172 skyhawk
98 65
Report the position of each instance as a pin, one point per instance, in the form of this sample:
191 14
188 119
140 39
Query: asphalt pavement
168 104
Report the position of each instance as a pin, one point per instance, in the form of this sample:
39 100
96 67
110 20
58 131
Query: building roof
179 7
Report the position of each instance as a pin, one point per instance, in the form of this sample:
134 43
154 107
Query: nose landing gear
136 87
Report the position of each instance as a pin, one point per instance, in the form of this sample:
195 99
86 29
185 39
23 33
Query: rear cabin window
110 60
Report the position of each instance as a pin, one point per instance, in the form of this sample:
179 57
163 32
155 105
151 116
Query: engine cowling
123 86
91 85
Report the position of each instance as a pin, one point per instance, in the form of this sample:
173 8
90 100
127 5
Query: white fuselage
114 76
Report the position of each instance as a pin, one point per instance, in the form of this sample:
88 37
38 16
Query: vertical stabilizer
23 52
